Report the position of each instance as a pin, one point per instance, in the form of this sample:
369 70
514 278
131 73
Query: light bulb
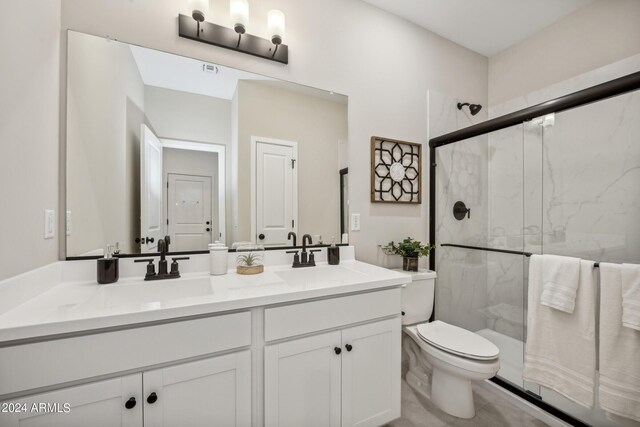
199 9
239 11
275 23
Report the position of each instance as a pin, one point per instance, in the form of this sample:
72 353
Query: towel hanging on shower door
560 351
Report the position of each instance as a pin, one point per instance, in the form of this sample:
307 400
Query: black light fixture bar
220 36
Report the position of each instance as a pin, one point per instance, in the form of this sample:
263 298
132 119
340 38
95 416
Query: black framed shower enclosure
619 86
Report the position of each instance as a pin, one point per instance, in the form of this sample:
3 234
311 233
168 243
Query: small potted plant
410 250
250 259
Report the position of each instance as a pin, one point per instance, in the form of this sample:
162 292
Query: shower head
473 108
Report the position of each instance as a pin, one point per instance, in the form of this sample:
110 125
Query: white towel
560 277
560 352
631 296
619 349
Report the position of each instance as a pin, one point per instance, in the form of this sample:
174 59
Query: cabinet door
96 404
302 382
209 392
371 373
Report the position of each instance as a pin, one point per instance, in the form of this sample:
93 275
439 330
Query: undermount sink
148 293
325 275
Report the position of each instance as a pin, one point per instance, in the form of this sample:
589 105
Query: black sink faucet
307 259
306 238
295 238
163 249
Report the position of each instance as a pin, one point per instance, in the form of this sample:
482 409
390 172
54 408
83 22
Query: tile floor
492 410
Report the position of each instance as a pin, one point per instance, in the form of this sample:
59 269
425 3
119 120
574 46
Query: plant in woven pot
250 260
410 250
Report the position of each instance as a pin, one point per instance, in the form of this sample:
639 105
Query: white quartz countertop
82 305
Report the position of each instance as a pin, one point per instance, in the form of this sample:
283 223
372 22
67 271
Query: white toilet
456 356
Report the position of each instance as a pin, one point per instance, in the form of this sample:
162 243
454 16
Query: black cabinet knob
208 222
349 347
208 229
338 350
151 399
261 236
131 403
148 240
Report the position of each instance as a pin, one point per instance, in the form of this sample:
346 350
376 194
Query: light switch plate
355 222
49 223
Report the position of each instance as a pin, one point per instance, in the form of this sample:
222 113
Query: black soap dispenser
333 253
108 269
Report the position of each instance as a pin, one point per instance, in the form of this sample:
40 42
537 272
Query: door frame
210 148
254 194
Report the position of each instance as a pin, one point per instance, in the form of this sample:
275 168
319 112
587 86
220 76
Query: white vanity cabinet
109 403
194 372
209 392
344 377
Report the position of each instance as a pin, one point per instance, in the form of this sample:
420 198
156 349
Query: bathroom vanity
314 346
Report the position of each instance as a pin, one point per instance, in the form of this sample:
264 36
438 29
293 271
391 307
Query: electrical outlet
355 222
49 223
68 225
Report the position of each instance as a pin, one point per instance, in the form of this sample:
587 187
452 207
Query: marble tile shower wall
569 188
461 287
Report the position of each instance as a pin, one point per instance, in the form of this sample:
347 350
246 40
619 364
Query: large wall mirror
160 144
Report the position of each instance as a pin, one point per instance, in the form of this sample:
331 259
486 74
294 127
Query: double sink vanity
314 346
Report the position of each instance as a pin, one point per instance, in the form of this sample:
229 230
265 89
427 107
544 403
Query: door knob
151 399
349 347
261 236
131 403
148 240
338 350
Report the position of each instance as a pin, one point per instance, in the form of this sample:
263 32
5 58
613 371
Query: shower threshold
511 365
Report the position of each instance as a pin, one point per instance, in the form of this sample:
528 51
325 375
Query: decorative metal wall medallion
396 171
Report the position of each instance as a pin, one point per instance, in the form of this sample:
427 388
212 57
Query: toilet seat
457 341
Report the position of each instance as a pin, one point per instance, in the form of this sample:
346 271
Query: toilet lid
455 340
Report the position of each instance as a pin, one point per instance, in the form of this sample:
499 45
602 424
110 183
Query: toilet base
452 394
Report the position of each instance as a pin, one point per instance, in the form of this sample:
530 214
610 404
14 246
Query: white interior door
210 392
302 382
276 184
99 404
371 376
189 221
151 227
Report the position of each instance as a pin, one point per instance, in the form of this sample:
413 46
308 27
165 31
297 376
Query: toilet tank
418 296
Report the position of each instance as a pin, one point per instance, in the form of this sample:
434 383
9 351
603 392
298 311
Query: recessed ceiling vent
210 68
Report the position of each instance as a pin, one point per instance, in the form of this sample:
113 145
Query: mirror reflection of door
151 227
189 220
276 191
344 200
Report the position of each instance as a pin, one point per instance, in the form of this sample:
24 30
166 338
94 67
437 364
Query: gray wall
105 110
596 35
29 84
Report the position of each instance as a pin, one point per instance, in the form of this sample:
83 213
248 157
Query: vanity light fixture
195 27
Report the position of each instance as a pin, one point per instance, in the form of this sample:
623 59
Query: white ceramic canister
218 258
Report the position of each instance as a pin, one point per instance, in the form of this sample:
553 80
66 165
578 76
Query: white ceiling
165 70
484 26
184 74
